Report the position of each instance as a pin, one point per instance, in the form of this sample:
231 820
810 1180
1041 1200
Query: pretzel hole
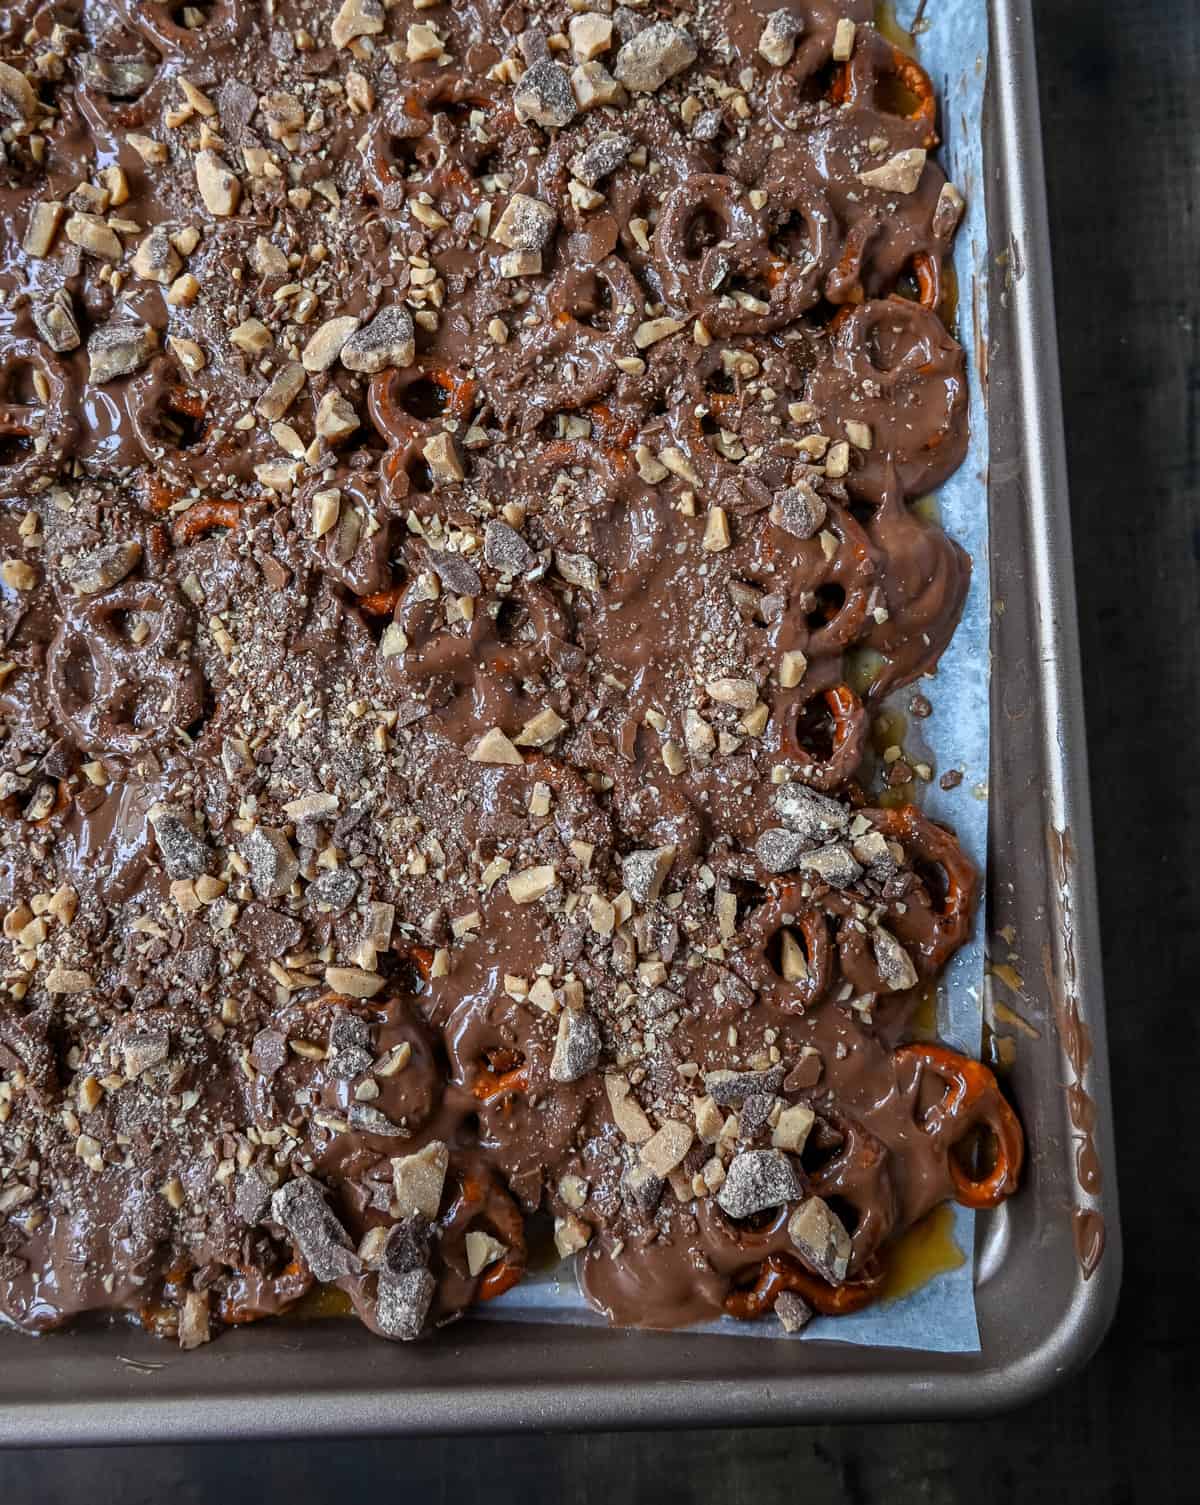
846 1212
827 82
194 16
892 96
512 621
14 448
816 729
937 883
886 344
703 230
977 1152
792 239
78 673
409 154
594 303
750 896
425 398
20 384
824 1143
783 940
752 286
181 430
420 477
831 597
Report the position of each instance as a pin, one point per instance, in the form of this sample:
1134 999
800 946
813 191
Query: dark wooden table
1121 110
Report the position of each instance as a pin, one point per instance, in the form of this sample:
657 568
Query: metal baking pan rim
239 1389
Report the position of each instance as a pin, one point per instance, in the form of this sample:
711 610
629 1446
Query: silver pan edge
1039 1317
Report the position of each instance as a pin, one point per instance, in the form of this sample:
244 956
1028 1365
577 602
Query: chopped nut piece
593 87
741 693
356 18
843 40
90 233
626 1110
663 1151
218 184
799 510
591 34
652 330
778 40
859 434
326 344
544 96
18 98
527 224
793 666
899 174
354 982
833 864
153 153
422 44
285 386
653 56
252 336
533 883
792 961
495 747
187 353
68 980
387 341
183 290
336 418
792 1128
520 263
482 1250
101 568
541 729
821 1239
709 1120
577 1047
44 220
194 1330
948 210
420 1179
717 537
268 260
644 872
893 961
757 1180
18 575
577 569
441 454
570 1235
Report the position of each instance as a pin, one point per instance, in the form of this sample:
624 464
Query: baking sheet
939 1317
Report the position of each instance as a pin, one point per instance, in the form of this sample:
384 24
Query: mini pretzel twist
780 1273
972 1098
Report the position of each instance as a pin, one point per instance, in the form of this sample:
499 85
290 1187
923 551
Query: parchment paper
940 1316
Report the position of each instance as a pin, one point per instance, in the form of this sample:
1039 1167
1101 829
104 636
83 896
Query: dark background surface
1121 115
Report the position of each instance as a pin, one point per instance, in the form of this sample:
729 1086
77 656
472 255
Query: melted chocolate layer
446 457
